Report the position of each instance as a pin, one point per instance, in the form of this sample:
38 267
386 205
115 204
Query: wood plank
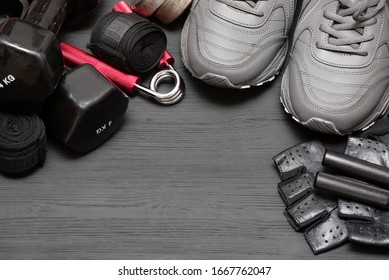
190 181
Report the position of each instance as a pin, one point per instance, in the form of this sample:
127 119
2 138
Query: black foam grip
22 142
352 189
357 168
128 42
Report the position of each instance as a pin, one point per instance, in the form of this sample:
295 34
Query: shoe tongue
255 7
353 32
253 3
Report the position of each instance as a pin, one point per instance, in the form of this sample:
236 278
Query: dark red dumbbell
31 59
85 110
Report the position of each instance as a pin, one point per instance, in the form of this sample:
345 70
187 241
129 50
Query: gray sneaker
236 44
337 79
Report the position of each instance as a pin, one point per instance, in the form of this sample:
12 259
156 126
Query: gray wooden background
190 181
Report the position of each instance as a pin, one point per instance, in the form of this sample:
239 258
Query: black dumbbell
85 110
31 59
13 8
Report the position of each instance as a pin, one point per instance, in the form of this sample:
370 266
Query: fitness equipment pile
82 106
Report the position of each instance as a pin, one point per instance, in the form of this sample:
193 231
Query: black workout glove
297 187
317 216
308 211
297 167
300 158
366 225
369 150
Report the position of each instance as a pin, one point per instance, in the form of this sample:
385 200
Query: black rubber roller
357 168
22 142
352 189
128 42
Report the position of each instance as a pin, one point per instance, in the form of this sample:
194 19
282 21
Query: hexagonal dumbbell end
85 110
31 65
31 60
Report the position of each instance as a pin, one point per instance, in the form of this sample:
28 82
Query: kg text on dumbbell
31 59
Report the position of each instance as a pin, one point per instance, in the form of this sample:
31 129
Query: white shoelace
347 32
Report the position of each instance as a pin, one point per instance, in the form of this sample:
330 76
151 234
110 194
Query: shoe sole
325 126
267 75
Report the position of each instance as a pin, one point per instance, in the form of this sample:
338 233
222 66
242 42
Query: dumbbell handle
74 57
351 189
167 60
357 168
49 14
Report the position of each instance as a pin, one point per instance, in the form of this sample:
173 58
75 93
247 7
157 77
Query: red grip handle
122 7
167 59
74 57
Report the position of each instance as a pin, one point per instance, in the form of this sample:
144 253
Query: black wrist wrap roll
22 142
128 42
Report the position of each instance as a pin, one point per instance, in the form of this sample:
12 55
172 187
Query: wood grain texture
190 181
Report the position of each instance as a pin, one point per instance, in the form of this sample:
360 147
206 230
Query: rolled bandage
128 42
22 142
